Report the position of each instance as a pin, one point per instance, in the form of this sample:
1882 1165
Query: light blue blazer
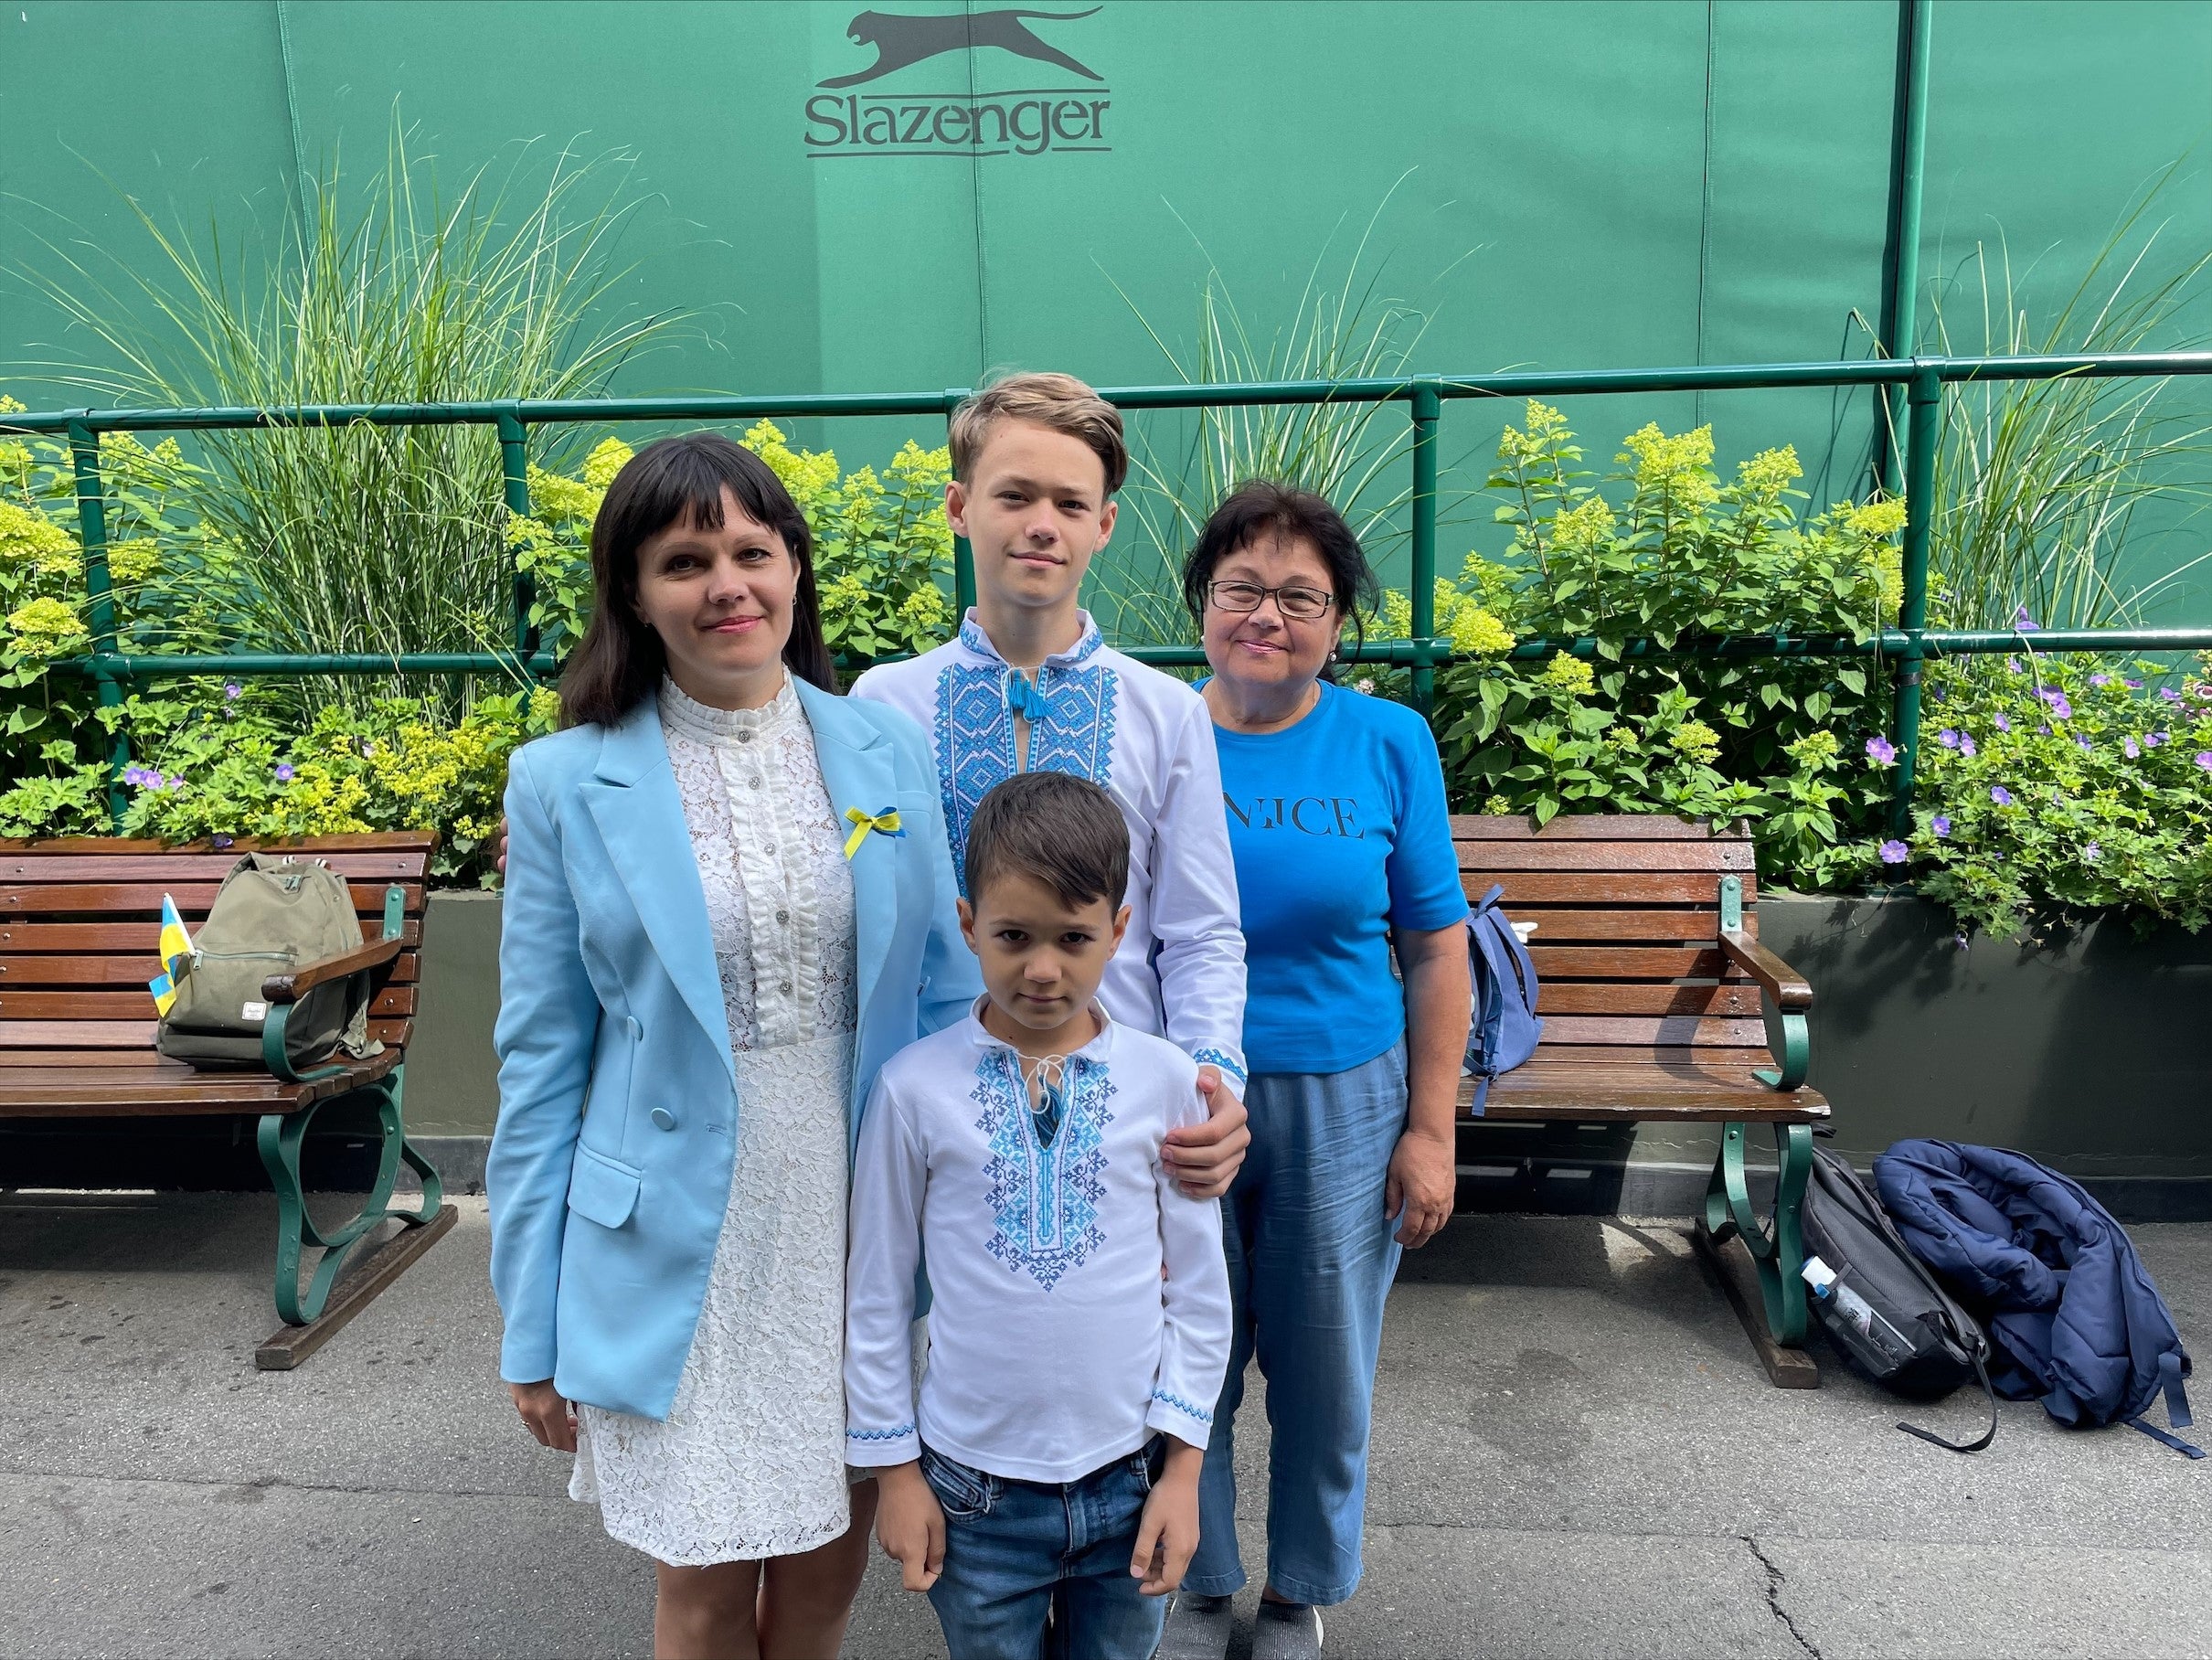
609 1170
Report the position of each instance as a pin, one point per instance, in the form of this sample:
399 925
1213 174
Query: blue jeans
1015 1549
1310 1258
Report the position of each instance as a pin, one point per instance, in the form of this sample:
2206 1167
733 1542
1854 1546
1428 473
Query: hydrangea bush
1674 555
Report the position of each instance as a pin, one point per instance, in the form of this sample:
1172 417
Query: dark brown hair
1060 403
1260 509
675 481
1064 831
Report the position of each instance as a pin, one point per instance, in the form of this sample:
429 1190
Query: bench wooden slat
1585 888
23 973
1576 827
1716 857
163 1089
190 867
1567 925
1712 1060
121 1005
130 1034
1569 997
144 935
192 898
1592 962
82 1057
358 841
1645 1029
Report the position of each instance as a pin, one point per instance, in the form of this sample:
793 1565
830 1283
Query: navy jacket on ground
2072 1313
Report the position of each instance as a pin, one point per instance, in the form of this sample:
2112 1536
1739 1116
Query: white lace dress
750 1461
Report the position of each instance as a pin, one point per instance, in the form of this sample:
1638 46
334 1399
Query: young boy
1028 686
1081 1322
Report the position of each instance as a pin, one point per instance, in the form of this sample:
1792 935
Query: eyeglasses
1299 604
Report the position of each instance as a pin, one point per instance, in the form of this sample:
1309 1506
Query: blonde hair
1059 402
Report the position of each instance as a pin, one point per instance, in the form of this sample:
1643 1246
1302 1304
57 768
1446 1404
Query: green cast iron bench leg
1777 1252
279 1138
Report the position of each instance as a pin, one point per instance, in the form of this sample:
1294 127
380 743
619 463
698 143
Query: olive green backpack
273 913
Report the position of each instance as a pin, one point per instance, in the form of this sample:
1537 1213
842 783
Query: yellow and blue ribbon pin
885 823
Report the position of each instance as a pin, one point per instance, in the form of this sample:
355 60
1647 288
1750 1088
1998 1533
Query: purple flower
2056 699
2129 747
1966 747
232 691
1959 940
1880 750
2101 680
2169 693
2134 685
1940 824
2001 796
2044 730
134 776
1948 739
283 772
177 783
2091 853
2012 666
2003 724
2084 743
1894 853
2156 739
2024 622
2204 760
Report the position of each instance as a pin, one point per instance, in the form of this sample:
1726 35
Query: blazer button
663 1118
637 1029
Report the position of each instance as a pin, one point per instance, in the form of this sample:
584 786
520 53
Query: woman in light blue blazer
729 901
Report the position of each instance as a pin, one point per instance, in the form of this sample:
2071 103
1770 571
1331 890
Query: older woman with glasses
1343 861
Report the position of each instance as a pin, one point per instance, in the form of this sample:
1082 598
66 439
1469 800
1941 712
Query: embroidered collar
1086 646
1097 1050
703 723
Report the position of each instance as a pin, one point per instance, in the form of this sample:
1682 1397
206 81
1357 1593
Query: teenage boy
1081 1322
1029 686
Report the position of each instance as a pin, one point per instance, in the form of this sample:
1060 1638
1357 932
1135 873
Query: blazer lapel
632 798
858 771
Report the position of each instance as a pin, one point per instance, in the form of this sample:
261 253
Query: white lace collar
705 724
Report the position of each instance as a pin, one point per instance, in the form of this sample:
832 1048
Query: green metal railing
1922 380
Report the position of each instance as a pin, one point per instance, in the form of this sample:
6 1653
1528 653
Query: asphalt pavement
1575 1454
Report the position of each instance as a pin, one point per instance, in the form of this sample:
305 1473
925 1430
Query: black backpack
1881 1306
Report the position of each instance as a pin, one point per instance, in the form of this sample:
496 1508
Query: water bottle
1856 1311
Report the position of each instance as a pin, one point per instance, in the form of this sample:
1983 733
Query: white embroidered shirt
1056 1342
1146 738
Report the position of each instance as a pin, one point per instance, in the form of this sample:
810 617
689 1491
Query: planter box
2088 1051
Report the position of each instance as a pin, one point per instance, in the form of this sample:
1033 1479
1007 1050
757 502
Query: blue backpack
1507 1027
2074 1317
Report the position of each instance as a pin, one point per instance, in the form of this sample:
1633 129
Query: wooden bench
1660 1005
79 923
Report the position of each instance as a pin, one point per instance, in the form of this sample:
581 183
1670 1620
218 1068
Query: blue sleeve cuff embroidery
1197 1414
900 1433
1213 1056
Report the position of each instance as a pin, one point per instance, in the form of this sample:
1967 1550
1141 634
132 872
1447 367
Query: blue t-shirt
1339 832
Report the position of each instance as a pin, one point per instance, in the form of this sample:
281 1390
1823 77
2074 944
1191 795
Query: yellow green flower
1621 737
1584 528
131 563
1497 807
1814 748
1476 633
45 628
28 537
1875 520
1769 471
1679 467
1695 740
608 457
1571 674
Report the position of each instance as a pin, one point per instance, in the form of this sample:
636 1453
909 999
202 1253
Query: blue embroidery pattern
1044 1200
1072 732
1215 1057
1183 1406
900 1433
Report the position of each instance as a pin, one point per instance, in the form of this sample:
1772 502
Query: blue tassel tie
1023 696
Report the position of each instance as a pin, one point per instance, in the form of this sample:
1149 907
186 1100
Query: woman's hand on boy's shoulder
1204 1158
910 1525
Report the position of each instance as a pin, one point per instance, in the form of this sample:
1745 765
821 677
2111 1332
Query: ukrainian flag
175 957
